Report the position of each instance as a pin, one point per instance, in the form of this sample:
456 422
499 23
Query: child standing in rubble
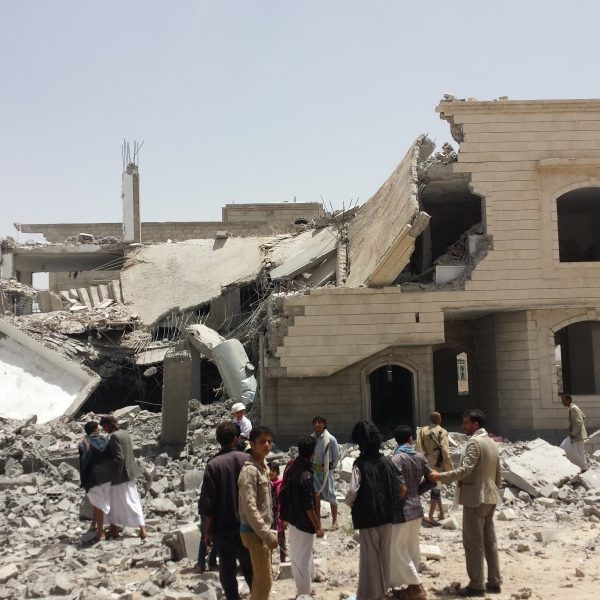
278 522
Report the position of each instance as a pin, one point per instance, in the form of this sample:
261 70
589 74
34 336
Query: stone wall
520 156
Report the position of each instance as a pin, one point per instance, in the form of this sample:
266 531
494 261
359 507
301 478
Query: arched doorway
392 398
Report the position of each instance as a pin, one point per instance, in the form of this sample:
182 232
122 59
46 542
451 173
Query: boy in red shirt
276 482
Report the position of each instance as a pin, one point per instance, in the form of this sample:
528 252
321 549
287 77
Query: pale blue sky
254 101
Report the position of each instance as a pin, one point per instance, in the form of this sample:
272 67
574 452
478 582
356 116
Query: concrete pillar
177 372
196 377
130 194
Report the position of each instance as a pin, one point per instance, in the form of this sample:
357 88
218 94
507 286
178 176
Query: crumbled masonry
45 550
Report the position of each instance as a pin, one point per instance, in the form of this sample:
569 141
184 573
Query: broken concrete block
346 469
321 568
192 480
546 502
539 468
184 541
524 497
430 552
450 523
591 479
546 535
8 572
563 517
62 585
126 411
285 570
508 495
508 514
162 506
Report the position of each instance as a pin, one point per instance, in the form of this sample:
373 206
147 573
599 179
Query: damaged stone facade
485 281
470 279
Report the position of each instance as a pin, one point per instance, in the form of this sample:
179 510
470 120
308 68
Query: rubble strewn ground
548 544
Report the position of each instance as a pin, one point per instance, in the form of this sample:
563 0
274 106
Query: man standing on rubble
479 481
414 471
573 443
218 504
325 460
432 442
125 503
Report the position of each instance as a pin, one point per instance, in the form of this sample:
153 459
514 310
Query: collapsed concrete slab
161 279
540 469
383 233
38 381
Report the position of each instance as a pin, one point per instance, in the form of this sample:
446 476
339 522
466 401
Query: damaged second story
469 279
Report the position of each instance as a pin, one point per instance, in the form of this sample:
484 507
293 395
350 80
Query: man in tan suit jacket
478 479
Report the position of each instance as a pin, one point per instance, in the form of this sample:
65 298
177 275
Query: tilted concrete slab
539 469
35 380
382 235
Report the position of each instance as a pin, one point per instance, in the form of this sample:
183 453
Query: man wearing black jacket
298 508
218 504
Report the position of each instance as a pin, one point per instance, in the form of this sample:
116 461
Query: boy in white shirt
238 411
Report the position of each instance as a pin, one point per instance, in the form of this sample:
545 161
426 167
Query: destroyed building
469 279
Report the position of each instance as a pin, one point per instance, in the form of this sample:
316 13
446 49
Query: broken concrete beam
204 338
55 302
430 552
115 290
539 469
84 297
105 303
103 292
94 296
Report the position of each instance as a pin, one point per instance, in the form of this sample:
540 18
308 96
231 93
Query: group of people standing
243 499
107 471
246 507
384 495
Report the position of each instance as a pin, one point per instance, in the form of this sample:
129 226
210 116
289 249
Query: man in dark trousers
218 504
125 503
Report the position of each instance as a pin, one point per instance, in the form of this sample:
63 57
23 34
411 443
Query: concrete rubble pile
45 547
47 550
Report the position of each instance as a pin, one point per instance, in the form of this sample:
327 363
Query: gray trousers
374 562
479 541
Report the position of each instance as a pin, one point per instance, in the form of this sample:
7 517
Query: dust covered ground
549 545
